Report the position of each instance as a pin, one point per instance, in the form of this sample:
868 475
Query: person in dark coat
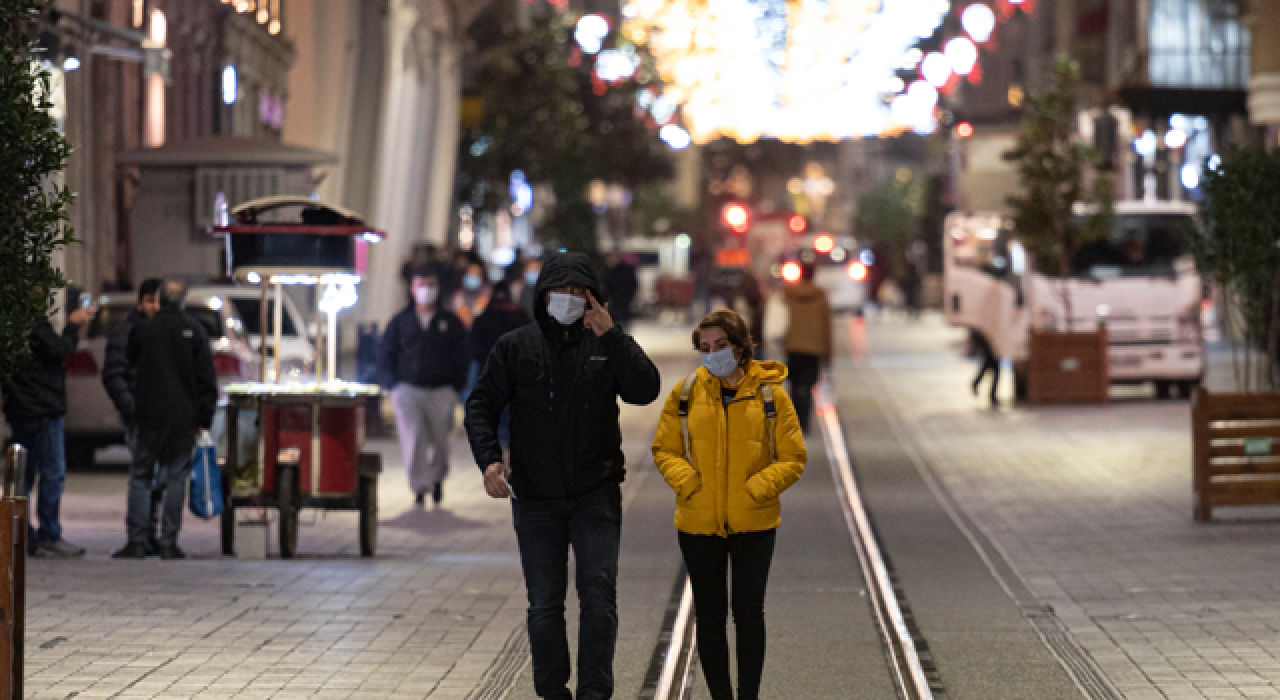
35 404
176 395
118 379
623 286
561 378
423 363
502 316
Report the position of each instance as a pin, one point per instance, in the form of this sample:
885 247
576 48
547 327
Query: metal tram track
913 674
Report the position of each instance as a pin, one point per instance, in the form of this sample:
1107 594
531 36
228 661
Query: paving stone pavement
1091 507
438 613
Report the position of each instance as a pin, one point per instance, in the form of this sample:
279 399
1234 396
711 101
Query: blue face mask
531 277
472 282
721 362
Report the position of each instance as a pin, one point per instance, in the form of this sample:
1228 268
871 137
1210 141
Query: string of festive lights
797 70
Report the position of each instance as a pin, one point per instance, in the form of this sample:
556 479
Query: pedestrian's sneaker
437 494
419 499
171 551
60 549
133 550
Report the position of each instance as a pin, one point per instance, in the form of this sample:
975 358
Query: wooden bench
1235 457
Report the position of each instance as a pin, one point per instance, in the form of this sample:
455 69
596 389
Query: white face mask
566 309
721 362
425 295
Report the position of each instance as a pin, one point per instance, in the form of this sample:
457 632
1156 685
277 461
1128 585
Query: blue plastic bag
205 497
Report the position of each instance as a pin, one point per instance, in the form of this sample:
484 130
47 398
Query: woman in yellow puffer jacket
727 507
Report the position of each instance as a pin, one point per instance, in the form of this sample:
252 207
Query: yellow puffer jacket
731 486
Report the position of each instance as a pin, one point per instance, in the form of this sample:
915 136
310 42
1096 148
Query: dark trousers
545 530
990 363
46 459
803 370
707 558
161 461
157 496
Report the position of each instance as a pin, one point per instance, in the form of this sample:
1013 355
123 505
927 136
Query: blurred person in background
528 293
120 381
472 295
502 316
988 362
35 404
808 342
752 293
423 255
422 362
623 285
176 396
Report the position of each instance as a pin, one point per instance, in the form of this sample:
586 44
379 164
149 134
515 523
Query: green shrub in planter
1237 248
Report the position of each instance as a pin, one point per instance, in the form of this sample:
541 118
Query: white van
1141 281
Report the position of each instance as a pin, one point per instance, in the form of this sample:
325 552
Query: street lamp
155 71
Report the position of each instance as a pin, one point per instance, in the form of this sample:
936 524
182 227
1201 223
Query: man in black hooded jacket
562 377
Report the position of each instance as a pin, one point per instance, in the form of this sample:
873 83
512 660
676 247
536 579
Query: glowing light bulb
961 54
979 21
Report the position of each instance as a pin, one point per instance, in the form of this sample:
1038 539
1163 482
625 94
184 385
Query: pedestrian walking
561 378
502 316
623 285
35 404
808 342
532 268
176 395
472 296
120 382
751 292
423 362
981 347
729 443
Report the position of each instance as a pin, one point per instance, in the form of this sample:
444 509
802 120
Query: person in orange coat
808 342
727 472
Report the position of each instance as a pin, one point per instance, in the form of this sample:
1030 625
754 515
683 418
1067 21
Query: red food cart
307 435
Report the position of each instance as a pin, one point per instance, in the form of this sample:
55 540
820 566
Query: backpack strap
686 392
771 419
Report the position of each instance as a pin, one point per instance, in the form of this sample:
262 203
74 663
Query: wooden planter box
1068 367
1235 449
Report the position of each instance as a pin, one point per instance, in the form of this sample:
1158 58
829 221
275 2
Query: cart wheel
368 496
289 505
228 520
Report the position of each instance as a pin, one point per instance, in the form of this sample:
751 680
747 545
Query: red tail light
226 364
82 364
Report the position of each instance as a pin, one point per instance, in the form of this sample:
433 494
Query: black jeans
804 370
707 558
545 530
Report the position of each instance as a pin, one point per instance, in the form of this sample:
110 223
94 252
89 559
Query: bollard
13 572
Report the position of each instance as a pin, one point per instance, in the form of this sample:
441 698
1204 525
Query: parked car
297 354
92 421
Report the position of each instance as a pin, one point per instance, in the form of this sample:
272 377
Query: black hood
564 270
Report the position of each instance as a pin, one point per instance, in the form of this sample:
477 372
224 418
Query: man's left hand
597 317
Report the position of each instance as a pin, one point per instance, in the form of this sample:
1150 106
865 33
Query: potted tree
1067 363
35 201
1235 462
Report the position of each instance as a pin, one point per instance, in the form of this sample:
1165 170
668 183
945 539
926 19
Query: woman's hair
735 329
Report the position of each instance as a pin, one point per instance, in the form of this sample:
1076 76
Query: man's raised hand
597 317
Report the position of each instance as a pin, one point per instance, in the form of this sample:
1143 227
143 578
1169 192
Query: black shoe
419 499
437 493
171 551
153 547
133 550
